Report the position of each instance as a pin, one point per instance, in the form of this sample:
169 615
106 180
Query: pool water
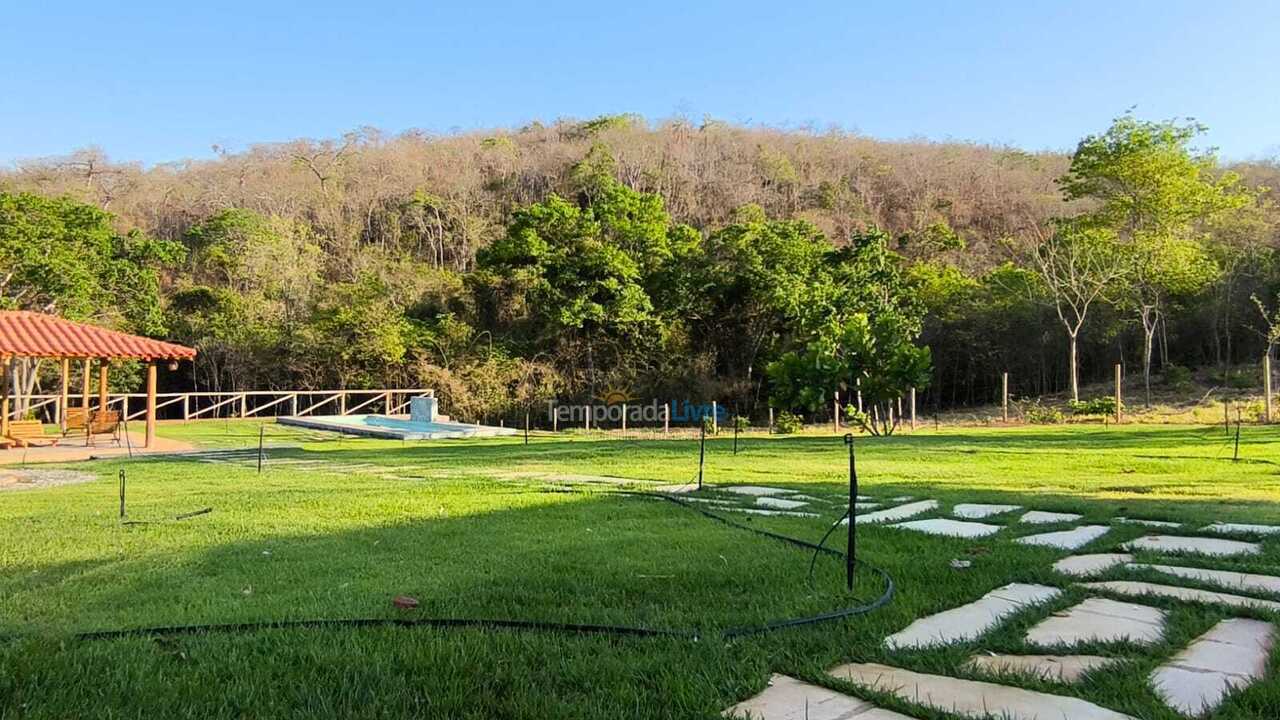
399 428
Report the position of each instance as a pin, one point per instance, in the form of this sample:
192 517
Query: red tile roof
28 334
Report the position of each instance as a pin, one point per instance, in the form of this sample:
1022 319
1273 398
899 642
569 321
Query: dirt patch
12 479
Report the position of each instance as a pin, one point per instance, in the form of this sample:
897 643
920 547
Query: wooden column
624 417
913 408
84 389
4 395
715 422
151 404
666 418
102 385
1119 400
1266 387
63 400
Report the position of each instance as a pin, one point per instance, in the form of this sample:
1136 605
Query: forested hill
286 246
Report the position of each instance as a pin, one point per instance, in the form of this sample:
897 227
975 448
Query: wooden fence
246 404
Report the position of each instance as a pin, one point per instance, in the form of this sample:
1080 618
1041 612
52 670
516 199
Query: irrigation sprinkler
702 450
122 493
853 502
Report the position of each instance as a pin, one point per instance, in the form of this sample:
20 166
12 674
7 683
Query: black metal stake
261 432
526 426
121 493
702 450
853 506
735 433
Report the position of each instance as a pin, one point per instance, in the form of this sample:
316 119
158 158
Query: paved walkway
74 449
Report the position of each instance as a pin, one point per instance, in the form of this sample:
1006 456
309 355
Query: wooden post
64 397
770 421
186 407
84 390
587 417
5 367
386 402
293 404
102 385
859 386
1004 396
1119 399
913 409
715 423
1266 387
624 417
151 404
666 418
124 407
342 403
244 405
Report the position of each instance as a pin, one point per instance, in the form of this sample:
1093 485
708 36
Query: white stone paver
1040 517
950 528
757 490
789 699
1191 544
977 511
972 698
902 498
901 512
1232 654
1100 620
971 620
757 511
1054 668
1086 565
1148 523
1223 578
1221 527
779 503
1072 539
1127 587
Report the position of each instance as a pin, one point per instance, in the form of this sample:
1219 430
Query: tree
1077 264
1153 190
64 257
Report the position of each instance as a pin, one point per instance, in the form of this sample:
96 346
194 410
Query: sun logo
614 396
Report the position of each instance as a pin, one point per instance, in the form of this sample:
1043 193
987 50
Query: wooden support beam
102 385
63 400
151 404
84 389
5 379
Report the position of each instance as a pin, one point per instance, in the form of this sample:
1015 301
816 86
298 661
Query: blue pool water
385 426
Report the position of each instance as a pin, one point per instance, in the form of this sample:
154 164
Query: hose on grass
552 627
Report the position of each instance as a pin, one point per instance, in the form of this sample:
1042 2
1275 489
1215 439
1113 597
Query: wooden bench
104 422
29 433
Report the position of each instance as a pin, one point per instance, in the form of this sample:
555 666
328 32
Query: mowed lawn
477 529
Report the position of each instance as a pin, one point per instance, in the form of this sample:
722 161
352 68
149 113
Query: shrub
741 424
854 417
1177 377
786 423
1037 413
1105 405
709 424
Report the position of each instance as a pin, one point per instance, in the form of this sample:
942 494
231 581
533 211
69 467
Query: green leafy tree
1154 192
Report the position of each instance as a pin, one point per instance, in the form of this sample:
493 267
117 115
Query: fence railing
244 404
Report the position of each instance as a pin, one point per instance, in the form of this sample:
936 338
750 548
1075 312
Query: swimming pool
384 426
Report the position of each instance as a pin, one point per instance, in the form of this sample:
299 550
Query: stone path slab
977 511
1040 517
787 698
972 698
1072 539
757 490
1148 523
756 511
950 528
1099 620
1086 565
971 620
1054 668
901 512
1221 527
1198 545
779 503
1223 578
1233 654
1127 587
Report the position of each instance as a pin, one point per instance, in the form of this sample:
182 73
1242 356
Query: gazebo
47 337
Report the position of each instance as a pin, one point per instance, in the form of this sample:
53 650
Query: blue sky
159 81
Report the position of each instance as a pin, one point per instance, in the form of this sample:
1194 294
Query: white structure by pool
423 423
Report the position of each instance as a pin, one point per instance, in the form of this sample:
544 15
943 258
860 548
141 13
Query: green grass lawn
337 528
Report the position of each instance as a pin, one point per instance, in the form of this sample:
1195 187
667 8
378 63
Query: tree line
707 260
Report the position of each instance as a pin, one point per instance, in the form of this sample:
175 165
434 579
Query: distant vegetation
685 260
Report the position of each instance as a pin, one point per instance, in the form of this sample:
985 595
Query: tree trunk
1150 318
1075 371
